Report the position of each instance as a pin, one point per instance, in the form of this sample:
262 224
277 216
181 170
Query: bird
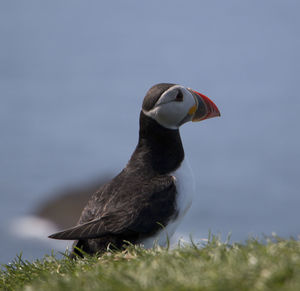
146 201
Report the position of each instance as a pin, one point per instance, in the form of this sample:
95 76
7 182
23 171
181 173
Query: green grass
272 265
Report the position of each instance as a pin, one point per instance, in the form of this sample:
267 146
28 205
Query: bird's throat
159 148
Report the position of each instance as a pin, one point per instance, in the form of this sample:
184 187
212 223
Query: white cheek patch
168 112
167 96
157 117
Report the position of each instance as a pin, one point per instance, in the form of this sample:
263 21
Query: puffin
146 201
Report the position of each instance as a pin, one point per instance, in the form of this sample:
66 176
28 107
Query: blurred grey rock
65 207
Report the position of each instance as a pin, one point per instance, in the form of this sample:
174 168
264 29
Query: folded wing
141 212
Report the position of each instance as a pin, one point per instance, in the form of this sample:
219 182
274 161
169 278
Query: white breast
185 185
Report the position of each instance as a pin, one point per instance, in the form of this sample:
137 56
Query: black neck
159 149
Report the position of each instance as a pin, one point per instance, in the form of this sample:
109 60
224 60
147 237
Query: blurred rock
65 207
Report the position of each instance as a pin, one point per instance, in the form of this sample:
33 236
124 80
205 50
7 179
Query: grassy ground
272 265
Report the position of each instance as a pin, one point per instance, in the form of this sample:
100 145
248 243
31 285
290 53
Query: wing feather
154 203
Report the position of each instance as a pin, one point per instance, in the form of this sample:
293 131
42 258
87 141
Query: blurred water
72 78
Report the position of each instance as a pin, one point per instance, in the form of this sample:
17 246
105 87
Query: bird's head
172 105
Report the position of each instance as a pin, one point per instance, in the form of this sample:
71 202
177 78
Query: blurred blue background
72 78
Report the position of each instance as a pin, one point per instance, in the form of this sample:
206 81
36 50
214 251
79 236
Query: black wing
132 210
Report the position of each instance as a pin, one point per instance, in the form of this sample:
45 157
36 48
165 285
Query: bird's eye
179 96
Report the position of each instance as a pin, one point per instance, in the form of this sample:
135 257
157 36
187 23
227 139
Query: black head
172 105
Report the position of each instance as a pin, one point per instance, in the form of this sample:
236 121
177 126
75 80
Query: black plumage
140 200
